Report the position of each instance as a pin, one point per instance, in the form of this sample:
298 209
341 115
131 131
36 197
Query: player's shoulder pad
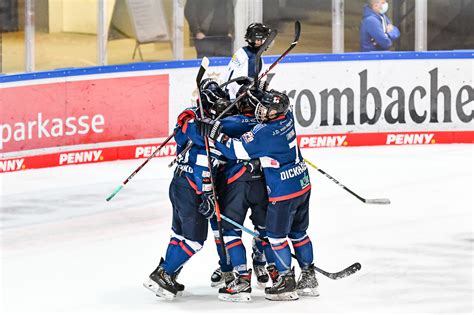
239 57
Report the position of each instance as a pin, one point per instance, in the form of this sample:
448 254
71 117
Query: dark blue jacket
372 32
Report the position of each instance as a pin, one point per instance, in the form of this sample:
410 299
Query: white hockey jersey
242 64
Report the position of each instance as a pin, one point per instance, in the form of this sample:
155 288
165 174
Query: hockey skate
219 279
259 262
180 287
162 284
307 283
261 275
284 289
238 290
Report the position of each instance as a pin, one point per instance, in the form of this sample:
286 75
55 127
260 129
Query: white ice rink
65 249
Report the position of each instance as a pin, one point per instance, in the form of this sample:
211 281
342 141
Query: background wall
338 100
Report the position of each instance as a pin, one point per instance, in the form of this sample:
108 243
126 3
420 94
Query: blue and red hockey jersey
275 144
194 164
235 126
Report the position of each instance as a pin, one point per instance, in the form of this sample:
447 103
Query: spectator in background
376 29
211 23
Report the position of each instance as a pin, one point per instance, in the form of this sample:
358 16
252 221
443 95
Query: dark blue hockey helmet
271 105
249 102
256 31
214 99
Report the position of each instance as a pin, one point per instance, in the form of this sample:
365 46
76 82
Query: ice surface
65 249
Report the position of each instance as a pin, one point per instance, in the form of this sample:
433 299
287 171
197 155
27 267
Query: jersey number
294 144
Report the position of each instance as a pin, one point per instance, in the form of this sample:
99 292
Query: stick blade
347 272
378 201
202 70
340 274
205 62
114 192
268 41
297 31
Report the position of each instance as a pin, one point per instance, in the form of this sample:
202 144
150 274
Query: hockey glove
185 116
207 206
208 128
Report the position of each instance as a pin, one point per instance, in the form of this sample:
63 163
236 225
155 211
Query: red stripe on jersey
290 196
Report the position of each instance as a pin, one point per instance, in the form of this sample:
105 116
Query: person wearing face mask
376 29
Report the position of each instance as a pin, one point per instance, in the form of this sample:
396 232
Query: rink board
108 113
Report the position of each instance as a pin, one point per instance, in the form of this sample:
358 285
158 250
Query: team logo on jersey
235 60
304 182
248 137
290 135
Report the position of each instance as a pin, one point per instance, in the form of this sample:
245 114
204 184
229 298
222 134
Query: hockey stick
139 168
292 45
202 70
263 48
198 79
260 51
333 275
235 80
379 201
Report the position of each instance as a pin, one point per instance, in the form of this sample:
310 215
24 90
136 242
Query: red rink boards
130 152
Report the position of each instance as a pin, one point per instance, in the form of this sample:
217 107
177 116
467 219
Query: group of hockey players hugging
257 165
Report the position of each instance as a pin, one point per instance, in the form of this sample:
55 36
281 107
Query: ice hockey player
217 99
191 198
243 62
244 188
274 142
